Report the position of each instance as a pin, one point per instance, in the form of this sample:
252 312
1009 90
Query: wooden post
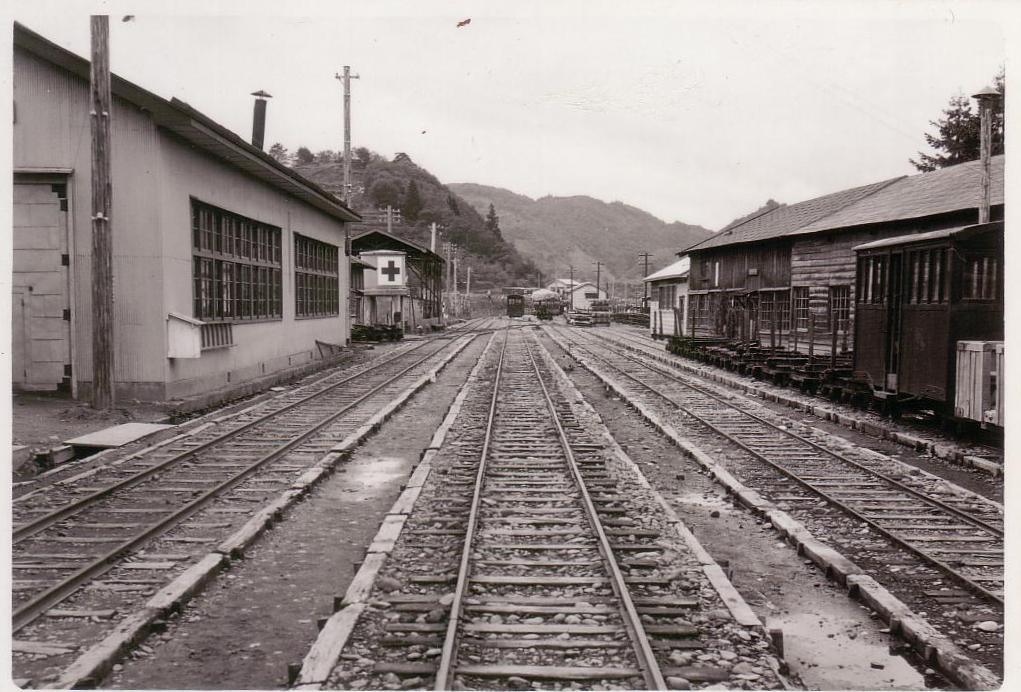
794 330
102 240
772 327
811 335
833 342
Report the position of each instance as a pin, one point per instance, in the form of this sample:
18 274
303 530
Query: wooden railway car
917 297
515 306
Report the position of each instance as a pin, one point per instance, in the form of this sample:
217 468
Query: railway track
530 562
645 343
938 546
86 553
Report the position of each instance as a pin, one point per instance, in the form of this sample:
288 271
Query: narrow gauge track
933 527
145 516
529 562
646 343
527 467
954 535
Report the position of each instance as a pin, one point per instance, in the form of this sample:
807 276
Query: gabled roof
199 130
945 190
677 270
783 220
381 240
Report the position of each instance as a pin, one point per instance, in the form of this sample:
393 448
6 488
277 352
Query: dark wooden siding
769 264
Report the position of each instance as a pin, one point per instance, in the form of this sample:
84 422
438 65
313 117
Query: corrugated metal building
788 273
227 265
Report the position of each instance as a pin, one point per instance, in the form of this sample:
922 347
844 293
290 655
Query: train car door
894 318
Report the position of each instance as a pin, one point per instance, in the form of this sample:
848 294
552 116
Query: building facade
668 299
228 267
787 275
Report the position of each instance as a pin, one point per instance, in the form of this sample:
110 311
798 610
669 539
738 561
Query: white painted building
668 299
582 295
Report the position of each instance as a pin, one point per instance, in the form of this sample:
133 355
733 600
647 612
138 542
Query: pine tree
412 205
957 138
452 203
493 222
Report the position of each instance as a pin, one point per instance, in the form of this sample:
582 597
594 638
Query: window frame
237 272
316 278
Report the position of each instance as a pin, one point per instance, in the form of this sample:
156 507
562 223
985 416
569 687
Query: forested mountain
421 200
510 237
555 232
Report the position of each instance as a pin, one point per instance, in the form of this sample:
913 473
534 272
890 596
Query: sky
694 112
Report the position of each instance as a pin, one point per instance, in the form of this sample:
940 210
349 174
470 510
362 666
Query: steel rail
37 605
624 339
961 579
448 660
42 523
978 522
643 650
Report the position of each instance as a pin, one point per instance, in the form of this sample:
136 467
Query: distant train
929 321
515 305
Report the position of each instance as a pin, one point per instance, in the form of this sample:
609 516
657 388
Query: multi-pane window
666 297
236 266
775 308
799 296
840 307
927 280
980 278
699 310
316 282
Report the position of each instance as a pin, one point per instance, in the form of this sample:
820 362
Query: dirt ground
260 616
43 420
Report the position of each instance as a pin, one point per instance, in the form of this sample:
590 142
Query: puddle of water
818 649
368 475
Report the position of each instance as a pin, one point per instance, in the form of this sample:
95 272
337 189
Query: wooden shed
786 275
422 281
228 266
740 284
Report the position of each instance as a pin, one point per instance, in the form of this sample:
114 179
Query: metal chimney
259 118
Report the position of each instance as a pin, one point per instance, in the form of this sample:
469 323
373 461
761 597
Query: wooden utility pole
346 78
645 286
986 98
102 237
570 288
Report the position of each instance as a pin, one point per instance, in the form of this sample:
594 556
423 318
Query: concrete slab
118 435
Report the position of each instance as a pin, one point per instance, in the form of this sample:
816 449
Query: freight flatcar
918 298
515 306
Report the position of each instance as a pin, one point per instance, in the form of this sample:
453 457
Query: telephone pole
346 78
346 196
570 288
102 236
645 286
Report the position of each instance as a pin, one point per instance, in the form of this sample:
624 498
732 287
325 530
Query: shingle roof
946 190
786 219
